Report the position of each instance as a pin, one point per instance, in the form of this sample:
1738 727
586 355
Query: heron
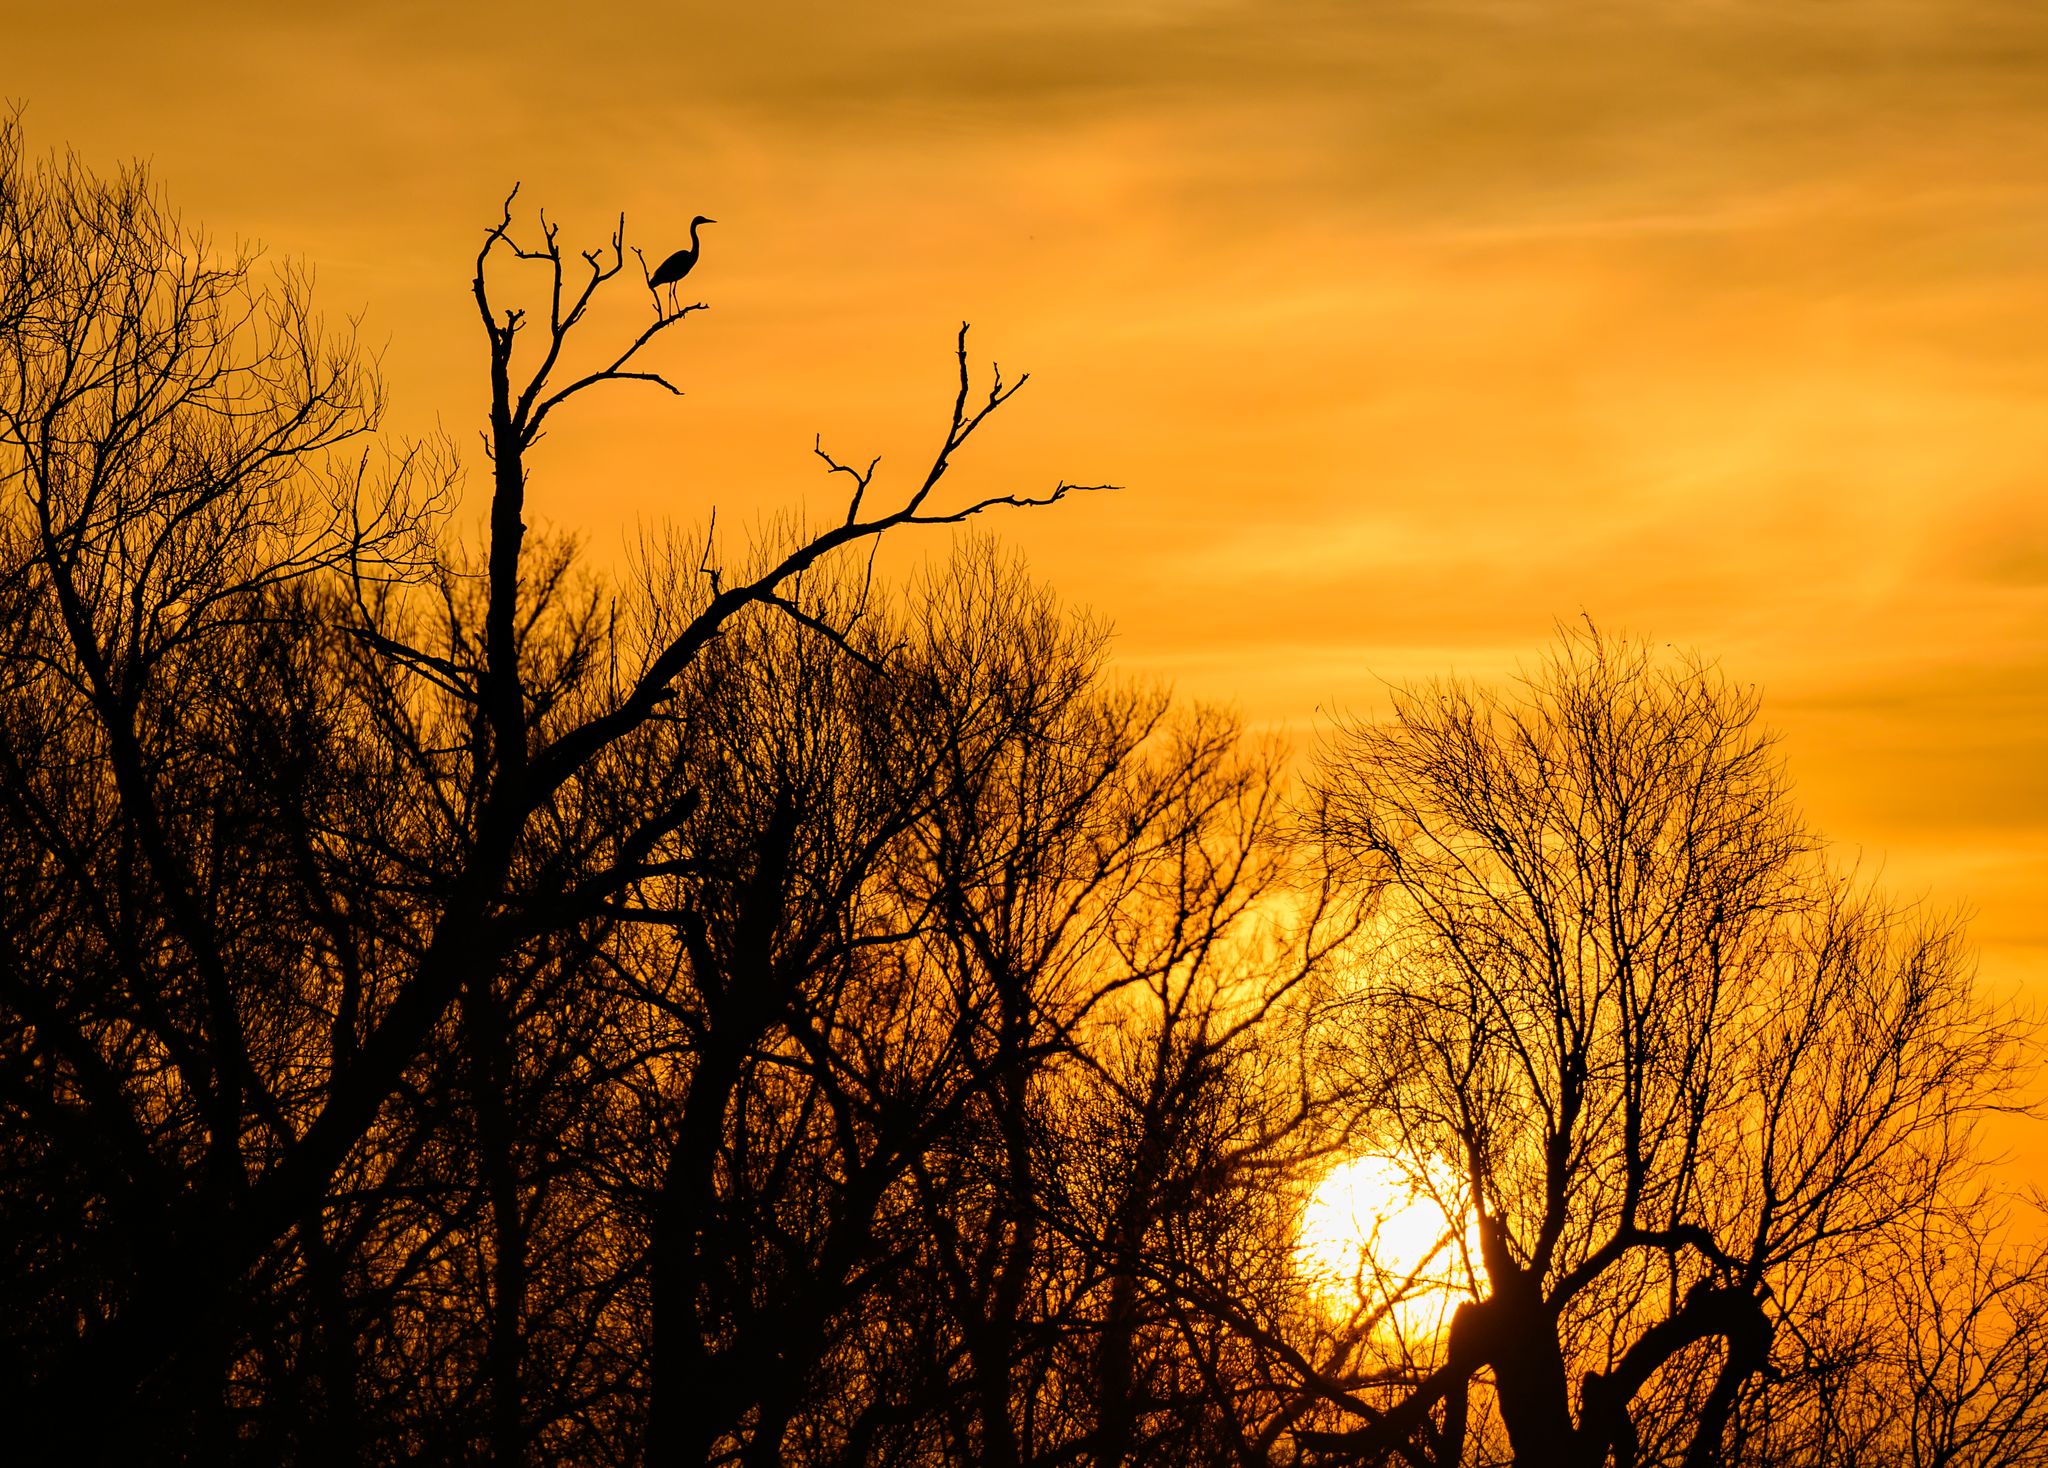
678 265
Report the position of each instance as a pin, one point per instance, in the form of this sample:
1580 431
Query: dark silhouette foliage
458 1007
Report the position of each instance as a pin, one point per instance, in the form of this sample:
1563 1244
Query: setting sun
1377 1234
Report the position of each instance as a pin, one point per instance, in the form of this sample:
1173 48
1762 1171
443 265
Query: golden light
1385 1236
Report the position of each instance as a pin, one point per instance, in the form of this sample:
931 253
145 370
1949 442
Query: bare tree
180 450
1931 1353
1678 1064
232 973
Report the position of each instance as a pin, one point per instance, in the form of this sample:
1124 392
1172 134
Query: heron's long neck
693 237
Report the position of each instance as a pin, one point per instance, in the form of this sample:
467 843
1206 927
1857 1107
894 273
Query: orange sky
1410 327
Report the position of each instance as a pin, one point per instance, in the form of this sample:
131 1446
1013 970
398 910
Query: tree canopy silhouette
460 1007
1689 1077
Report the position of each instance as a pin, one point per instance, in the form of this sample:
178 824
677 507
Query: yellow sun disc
1377 1235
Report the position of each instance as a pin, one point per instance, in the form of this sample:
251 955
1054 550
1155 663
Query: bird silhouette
678 265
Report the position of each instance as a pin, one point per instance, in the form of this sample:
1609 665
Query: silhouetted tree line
456 1007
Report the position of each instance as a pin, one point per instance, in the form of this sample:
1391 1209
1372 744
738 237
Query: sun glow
1387 1237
